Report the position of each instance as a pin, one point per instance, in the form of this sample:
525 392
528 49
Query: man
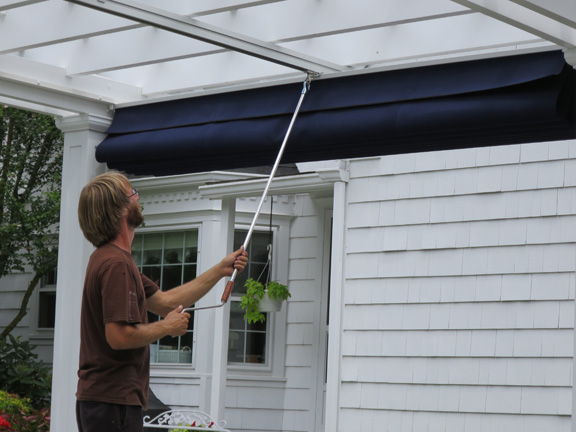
115 333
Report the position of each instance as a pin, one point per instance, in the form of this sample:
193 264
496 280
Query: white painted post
570 57
336 308
222 321
81 135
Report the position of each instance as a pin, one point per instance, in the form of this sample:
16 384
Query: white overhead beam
50 99
211 34
559 10
29 106
12 4
424 42
270 22
17 29
83 23
226 69
206 7
303 19
22 79
525 19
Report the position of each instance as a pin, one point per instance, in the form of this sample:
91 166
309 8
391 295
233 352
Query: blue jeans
107 417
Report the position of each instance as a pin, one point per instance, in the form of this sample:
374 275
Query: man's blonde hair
101 207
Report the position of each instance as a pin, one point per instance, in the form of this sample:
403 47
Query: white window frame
40 332
163 229
276 331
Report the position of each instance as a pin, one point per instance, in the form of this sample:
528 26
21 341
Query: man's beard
135 217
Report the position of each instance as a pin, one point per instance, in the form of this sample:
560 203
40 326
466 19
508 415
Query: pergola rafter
122 52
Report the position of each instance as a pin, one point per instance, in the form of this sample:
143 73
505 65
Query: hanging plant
256 292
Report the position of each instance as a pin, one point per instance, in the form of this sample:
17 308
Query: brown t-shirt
114 291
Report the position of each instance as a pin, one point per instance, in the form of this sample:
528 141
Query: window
247 343
47 301
169 259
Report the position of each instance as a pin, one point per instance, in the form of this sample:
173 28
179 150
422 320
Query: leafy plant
255 291
23 374
18 415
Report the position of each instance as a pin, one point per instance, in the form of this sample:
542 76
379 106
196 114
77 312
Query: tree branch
23 307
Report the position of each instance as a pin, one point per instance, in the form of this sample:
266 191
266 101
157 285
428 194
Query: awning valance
519 99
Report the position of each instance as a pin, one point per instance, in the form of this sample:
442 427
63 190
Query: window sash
170 259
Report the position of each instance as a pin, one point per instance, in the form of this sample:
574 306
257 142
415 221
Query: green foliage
30 175
23 374
255 291
11 404
17 414
192 425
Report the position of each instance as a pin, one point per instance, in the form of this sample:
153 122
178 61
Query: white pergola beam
459 35
559 10
206 7
211 34
29 106
21 79
298 20
98 54
82 23
525 19
12 4
50 98
367 48
48 16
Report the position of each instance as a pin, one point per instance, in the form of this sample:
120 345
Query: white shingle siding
459 293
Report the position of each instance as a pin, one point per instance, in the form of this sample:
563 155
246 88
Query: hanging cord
230 284
268 248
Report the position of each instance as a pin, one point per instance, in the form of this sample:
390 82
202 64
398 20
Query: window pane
172 277
153 273
162 261
191 247
236 347
236 317
247 343
47 309
173 248
259 248
255 347
152 249
189 273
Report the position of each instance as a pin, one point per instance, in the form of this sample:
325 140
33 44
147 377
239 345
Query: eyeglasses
134 192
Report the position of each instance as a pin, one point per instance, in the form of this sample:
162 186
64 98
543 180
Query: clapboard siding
459 290
393 421
11 295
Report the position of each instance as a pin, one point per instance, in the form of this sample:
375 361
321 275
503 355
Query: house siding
459 290
12 290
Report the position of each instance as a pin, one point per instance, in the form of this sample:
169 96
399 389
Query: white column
81 135
570 57
222 320
336 308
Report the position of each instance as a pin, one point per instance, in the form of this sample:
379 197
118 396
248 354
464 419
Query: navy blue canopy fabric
519 99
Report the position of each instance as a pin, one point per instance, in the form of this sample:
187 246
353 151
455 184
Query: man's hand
236 260
176 322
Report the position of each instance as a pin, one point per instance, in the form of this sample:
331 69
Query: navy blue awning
519 99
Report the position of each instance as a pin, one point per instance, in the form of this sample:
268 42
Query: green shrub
21 372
